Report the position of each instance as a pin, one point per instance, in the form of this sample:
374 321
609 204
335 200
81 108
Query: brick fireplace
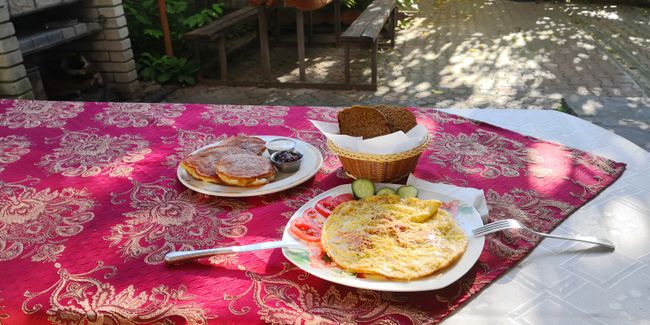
34 33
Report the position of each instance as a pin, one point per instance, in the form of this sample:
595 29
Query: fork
184 256
514 224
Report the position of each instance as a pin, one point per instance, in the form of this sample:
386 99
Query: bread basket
379 168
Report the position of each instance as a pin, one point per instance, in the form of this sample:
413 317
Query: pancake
253 144
395 238
201 165
245 170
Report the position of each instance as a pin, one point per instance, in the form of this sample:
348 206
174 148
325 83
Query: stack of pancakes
369 122
235 161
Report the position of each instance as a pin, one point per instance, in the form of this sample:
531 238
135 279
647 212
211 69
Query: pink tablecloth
90 204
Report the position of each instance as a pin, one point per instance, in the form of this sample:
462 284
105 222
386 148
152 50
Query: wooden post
346 63
373 62
301 43
164 25
337 21
310 27
223 63
264 42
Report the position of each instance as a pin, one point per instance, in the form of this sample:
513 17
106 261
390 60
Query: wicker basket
379 168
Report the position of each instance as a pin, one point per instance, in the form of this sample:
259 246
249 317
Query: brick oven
37 35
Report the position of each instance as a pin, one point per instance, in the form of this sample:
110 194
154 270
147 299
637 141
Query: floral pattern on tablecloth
188 141
84 298
527 207
32 114
139 115
482 152
245 115
88 153
3 316
12 148
164 220
35 223
89 196
285 301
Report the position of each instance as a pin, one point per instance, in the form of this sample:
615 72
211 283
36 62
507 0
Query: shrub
147 37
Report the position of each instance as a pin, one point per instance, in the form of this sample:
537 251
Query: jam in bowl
287 161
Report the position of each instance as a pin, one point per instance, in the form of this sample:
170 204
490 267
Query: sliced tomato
325 206
312 213
343 198
308 226
304 229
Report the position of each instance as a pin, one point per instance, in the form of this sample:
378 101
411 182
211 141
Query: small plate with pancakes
243 161
464 215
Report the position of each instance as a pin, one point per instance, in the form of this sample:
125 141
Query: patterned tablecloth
90 204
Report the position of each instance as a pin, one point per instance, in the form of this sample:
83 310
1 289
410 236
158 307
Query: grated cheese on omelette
392 237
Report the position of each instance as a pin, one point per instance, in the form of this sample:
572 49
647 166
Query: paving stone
461 53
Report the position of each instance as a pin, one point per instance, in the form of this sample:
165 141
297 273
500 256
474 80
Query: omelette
393 237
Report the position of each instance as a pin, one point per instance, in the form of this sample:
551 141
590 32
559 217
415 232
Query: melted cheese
399 239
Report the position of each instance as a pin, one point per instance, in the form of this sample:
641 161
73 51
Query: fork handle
585 239
183 256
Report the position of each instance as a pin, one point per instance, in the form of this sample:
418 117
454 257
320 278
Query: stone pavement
480 53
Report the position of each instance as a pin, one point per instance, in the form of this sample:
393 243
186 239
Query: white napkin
469 195
383 145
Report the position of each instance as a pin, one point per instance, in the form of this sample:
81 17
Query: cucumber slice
362 188
385 190
407 192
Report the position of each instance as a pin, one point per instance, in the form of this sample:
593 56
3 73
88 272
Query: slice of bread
363 121
399 119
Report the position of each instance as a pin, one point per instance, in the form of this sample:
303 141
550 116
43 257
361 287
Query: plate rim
247 192
477 248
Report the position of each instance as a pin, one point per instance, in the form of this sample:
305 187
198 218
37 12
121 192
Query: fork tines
490 226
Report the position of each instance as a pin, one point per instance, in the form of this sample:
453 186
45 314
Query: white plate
467 218
312 160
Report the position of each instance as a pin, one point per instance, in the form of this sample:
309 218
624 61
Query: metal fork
514 224
184 256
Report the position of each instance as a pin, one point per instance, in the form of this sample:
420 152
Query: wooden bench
364 32
216 31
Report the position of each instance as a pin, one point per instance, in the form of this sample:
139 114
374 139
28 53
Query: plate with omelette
386 242
240 166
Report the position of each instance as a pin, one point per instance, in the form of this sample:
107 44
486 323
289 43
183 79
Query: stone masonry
13 76
110 49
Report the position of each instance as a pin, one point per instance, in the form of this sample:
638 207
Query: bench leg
223 61
264 42
346 63
393 25
300 27
373 63
310 27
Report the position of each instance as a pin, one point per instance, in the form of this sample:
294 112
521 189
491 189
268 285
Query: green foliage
203 17
164 69
147 37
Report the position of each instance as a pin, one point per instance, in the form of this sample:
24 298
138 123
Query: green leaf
155 33
164 77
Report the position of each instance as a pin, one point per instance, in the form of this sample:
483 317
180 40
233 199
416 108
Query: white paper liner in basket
389 144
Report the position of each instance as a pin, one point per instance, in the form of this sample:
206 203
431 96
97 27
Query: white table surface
565 282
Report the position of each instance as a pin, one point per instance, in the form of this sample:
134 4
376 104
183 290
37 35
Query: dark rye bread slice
363 121
399 119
